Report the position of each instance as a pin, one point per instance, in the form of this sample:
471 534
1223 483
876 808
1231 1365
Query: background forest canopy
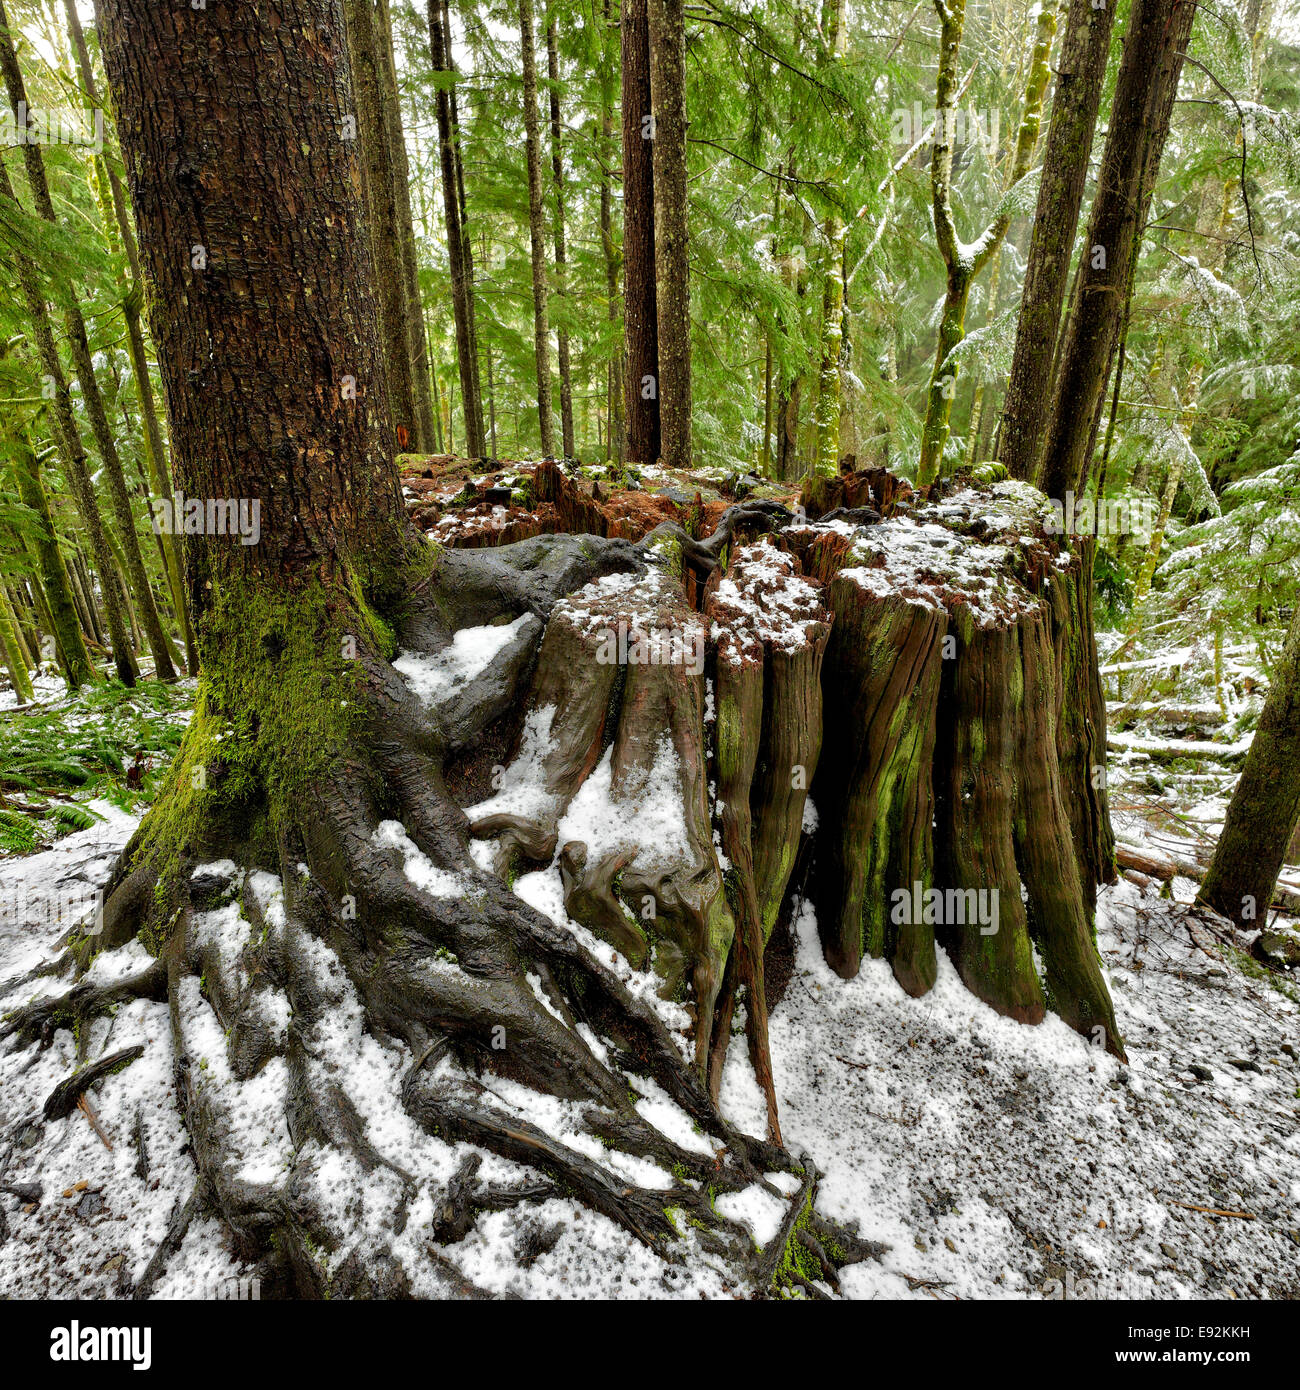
812 243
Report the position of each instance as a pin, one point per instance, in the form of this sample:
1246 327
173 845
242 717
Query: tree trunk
75 326
964 263
1080 76
65 628
640 322
458 251
74 454
561 270
155 449
827 456
1157 38
1265 807
614 444
384 235
417 342
536 229
666 26
14 656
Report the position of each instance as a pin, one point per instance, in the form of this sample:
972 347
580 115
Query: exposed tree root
350 963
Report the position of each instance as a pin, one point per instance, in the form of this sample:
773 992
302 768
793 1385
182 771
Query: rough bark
1080 76
640 323
1152 62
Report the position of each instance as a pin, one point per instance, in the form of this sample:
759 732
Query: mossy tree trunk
1265 806
64 626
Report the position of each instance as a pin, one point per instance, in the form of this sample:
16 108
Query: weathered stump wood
645 741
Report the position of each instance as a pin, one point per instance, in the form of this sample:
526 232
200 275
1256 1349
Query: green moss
796 1259
278 706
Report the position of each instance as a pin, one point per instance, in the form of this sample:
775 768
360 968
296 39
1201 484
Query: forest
650 650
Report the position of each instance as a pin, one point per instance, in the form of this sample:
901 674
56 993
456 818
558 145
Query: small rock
1201 1073
947 1240
91 1204
1245 1064
1168 1251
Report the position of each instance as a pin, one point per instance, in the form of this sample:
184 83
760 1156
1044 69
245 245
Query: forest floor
993 1160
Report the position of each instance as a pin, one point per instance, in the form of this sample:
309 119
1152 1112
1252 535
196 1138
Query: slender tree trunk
614 441
79 344
640 324
74 454
1152 62
964 263
15 662
827 456
417 342
458 253
1080 77
1265 807
561 252
54 579
155 449
366 61
672 270
536 229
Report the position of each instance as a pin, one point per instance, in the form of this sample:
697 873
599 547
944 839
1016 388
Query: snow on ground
992 1158
995 1158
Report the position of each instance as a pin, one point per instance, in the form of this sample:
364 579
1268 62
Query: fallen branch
64 1098
1214 1211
